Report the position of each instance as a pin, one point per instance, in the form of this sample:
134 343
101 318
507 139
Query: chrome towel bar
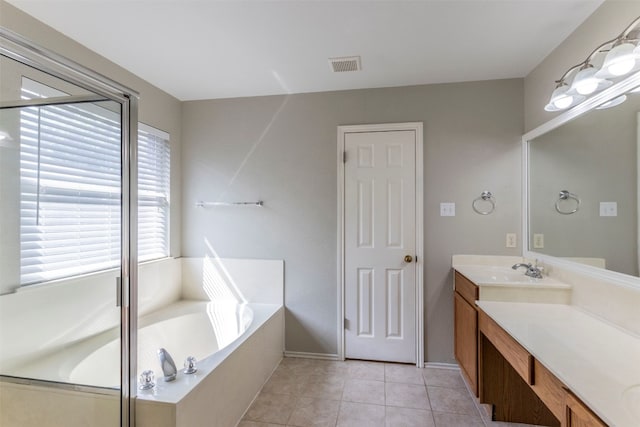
201 204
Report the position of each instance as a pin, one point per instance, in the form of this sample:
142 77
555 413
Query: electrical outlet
608 209
447 209
512 240
538 241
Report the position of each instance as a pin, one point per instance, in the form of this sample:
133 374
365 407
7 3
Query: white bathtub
184 328
227 380
208 331
237 348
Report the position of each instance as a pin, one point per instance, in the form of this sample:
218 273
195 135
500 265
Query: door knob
408 258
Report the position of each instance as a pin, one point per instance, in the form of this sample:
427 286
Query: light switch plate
447 209
608 209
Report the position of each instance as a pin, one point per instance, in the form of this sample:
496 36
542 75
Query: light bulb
560 99
563 102
622 67
586 82
587 87
620 60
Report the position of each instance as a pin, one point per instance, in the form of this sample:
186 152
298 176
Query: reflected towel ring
486 196
566 195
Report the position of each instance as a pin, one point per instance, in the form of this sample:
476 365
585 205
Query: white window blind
70 177
153 193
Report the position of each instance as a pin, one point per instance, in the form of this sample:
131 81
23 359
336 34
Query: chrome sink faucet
168 366
532 271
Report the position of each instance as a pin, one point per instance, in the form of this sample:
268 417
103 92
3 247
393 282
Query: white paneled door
380 245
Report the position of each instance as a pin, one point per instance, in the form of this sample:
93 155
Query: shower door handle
118 292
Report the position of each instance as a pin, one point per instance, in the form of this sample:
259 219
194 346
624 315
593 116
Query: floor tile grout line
386 369
338 414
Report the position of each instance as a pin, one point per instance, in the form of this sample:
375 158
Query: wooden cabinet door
466 339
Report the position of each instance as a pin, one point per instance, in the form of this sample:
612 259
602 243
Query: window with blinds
153 193
70 188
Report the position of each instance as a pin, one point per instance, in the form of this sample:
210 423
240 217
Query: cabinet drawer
549 389
514 353
466 288
578 415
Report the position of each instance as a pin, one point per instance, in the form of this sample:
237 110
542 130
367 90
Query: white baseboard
327 356
439 365
306 355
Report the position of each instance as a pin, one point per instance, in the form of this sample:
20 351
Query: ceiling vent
345 63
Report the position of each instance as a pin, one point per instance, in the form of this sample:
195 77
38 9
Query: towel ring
566 195
486 196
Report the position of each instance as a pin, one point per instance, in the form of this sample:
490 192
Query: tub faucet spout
168 366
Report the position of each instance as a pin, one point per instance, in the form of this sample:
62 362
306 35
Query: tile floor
306 392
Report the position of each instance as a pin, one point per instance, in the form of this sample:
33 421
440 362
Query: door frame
419 228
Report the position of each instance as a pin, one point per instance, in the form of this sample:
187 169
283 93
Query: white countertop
599 362
505 276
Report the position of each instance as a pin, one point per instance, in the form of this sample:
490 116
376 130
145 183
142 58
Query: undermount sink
504 276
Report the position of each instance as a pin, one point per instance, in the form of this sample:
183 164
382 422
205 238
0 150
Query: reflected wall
594 157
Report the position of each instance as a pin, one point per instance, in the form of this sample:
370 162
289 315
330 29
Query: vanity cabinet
520 388
550 390
466 328
578 415
507 377
502 373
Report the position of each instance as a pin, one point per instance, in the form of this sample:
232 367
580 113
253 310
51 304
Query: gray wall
282 149
156 108
604 24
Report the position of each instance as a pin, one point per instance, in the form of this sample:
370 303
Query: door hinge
346 323
344 157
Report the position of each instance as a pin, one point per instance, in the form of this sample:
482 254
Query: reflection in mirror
594 159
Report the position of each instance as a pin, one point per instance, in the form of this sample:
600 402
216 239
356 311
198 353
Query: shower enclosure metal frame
28 53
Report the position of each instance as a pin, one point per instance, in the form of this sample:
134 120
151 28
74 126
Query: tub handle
190 365
147 380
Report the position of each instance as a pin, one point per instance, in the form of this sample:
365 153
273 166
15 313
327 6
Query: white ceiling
199 49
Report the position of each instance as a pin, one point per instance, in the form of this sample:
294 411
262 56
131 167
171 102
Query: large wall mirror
582 192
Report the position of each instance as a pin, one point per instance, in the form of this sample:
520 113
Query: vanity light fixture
623 57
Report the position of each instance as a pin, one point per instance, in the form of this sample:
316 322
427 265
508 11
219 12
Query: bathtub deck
225 384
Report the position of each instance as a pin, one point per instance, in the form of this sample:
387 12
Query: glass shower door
63 227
